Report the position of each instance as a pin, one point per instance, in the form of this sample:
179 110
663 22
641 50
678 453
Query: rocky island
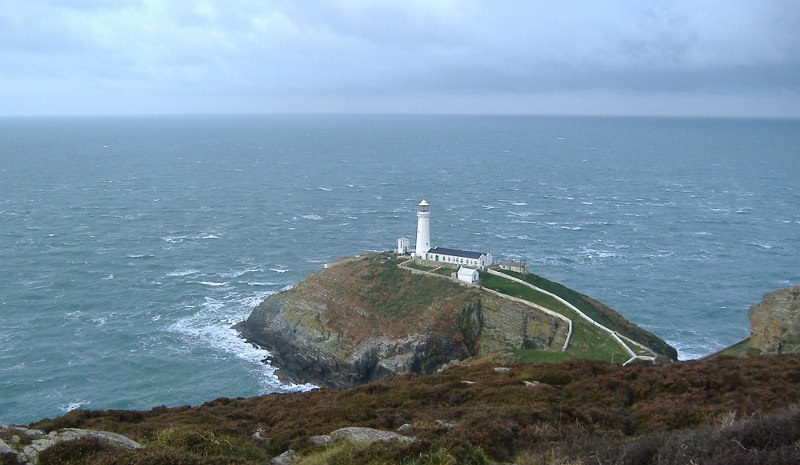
379 315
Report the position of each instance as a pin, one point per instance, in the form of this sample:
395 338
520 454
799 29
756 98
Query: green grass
588 341
600 313
575 298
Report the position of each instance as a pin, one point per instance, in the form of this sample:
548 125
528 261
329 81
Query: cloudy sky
634 57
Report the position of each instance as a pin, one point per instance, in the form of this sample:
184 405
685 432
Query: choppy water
130 246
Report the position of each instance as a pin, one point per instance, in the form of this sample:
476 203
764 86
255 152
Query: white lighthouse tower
423 230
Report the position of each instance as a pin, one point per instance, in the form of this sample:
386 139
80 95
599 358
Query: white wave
594 253
211 327
174 239
278 270
763 245
312 217
212 283
236 274
73 405
324 189
184 272
209 236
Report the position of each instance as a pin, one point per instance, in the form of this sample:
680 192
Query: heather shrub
163 456
207 443
79 451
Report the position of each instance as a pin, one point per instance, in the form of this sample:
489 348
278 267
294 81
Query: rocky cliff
775 322
365 318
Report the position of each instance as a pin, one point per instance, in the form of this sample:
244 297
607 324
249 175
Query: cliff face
364 319
775 322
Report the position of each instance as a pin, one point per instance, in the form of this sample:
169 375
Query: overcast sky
635 57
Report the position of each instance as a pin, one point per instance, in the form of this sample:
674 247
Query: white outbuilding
403 245
468 275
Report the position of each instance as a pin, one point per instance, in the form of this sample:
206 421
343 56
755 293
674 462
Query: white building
443 255
468 275
403 245
459 257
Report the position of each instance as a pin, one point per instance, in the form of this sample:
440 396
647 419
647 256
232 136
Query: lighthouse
423 230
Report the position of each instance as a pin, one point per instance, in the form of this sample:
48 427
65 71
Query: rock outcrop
366 319
25 445
775 322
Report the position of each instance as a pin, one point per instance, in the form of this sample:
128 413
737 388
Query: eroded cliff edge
364 318
775 323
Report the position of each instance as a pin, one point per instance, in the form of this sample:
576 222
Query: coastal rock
365 318
775 322
36 441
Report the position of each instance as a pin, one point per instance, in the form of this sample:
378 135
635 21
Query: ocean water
129 246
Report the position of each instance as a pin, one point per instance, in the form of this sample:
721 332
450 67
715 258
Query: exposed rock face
366 319
775 322
25 444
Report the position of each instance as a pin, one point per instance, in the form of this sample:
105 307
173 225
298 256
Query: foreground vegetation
727 410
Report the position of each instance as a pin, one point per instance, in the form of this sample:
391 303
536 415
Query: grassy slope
588 341
727 410
370 295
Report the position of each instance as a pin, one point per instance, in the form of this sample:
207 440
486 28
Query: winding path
619 338
615 335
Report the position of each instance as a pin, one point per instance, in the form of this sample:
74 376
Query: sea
129 246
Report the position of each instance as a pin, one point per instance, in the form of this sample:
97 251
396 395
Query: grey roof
456 253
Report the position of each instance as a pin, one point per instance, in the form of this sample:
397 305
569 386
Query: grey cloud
216 52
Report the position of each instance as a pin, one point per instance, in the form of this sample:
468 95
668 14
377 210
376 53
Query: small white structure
423 230
403 245
519 267
468 275
459 257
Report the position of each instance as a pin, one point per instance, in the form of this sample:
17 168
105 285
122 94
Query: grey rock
405 427
322 439
360 434
5 448
41 441
446 425
775 322
289 457
502 369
